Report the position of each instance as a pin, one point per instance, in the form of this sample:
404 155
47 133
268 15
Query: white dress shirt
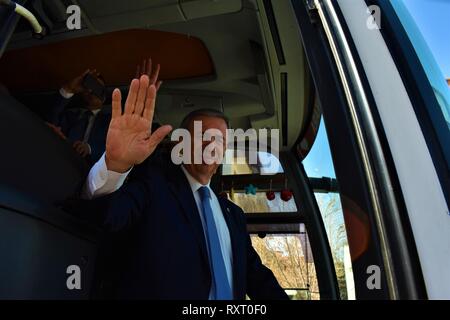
102 181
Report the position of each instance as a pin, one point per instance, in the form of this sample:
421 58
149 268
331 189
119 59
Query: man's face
217 144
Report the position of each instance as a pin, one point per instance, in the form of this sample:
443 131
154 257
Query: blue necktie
220 286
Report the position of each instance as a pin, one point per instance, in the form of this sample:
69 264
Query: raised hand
146 68
76 84
130 140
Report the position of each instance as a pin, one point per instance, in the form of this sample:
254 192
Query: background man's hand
146 68
75 86
56 130
82 148
130 140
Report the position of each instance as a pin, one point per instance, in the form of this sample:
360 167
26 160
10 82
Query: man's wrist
116 166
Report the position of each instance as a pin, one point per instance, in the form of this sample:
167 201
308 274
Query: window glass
238 164
257 188
426 23
290 259
317 164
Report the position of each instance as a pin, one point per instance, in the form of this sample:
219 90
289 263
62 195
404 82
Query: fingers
60 133
155 74
142 94
158 136
81 148
158 85
78 146
116 104
85 73
132 95
144 67
149 106
50 125
148 70
141 98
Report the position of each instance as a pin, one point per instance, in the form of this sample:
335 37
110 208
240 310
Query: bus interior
252 60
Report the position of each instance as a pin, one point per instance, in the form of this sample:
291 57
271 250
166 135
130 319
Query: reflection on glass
236 164
290 259
319 163
423 23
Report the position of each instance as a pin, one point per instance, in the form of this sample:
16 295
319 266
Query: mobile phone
94 86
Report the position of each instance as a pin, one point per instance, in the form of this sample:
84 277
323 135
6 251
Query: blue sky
433 19
318 163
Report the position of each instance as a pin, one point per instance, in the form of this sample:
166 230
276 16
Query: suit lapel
182 192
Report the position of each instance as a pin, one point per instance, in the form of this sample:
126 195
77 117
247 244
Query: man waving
185 242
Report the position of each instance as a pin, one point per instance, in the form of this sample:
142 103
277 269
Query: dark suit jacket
73 123
165 253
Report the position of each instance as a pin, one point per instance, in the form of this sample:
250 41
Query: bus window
429 47
290 258
274 220
318 164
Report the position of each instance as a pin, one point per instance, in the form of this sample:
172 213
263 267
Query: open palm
130 140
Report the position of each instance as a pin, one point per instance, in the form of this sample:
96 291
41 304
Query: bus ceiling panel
99 16
193 9
48 66
185 9
287 71
172 108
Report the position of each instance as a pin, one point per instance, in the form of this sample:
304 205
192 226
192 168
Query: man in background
86 127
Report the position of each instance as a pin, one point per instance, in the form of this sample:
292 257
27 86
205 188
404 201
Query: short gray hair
205 113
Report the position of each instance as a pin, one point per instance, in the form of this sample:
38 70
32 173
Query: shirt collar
194 184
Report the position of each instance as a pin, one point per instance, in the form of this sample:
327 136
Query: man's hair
187 120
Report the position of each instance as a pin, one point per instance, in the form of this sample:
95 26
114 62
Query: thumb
158 136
